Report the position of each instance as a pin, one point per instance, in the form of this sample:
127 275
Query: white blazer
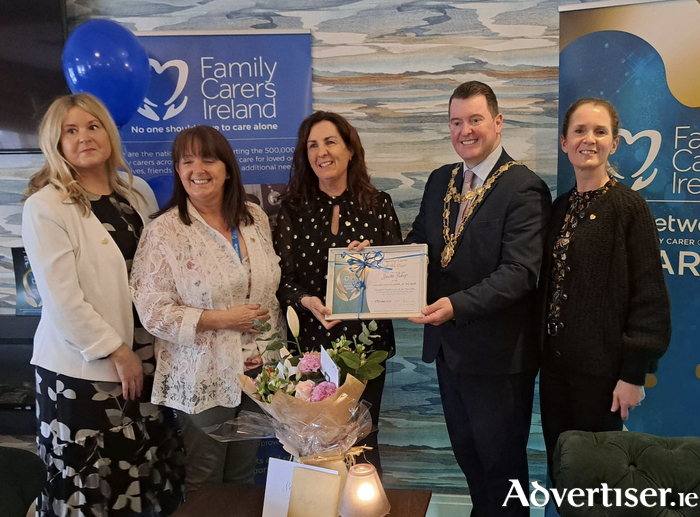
82 279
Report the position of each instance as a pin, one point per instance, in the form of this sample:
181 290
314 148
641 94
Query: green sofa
22 477
630 471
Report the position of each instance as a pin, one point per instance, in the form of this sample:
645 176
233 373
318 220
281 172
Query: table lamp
363 495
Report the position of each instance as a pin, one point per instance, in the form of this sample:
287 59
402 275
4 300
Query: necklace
477 195
223 227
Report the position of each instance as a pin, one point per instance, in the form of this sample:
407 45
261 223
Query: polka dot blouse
302 241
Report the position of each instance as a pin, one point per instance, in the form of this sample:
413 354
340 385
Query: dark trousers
373 395
572 401
488 421
209 461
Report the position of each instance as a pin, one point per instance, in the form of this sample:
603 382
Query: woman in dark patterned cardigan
607 316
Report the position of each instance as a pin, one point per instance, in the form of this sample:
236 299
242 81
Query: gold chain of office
476 196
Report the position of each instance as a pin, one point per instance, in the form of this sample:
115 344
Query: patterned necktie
466 186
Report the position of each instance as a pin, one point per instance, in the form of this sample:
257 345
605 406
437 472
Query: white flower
287 371
293 321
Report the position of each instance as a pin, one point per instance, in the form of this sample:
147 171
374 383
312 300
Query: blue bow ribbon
369 260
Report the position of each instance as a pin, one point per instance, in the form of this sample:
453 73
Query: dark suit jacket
492 277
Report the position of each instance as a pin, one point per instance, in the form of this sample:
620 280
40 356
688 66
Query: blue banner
254 88
659 157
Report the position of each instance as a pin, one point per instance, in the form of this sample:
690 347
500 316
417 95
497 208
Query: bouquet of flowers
314 397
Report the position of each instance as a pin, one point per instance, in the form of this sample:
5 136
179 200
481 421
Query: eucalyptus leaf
263 326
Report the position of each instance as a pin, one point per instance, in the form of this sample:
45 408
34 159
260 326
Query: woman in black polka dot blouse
331 203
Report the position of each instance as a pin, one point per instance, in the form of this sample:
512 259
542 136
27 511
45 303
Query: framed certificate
380 282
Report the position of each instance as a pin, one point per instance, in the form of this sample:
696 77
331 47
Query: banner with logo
28 299
253 87
645 59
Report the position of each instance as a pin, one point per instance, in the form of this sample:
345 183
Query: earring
228 177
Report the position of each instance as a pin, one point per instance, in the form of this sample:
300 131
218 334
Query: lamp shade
363 495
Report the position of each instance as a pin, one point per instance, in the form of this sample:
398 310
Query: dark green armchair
22 477
635 474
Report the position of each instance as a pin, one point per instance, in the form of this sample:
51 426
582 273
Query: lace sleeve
262 224
154 289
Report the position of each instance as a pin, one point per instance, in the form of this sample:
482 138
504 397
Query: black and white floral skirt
106 456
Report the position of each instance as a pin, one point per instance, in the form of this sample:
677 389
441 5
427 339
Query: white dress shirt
482 170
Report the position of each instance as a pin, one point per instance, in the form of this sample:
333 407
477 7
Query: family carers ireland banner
645 59
254 87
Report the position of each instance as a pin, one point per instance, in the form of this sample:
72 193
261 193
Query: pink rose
322 391
310 362
304 389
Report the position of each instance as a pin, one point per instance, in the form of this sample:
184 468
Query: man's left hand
436 313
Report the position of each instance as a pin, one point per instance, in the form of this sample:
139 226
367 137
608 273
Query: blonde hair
58 172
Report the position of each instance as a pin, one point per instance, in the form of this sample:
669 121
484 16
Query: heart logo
655 137
147 109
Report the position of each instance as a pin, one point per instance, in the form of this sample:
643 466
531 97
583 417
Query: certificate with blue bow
379 282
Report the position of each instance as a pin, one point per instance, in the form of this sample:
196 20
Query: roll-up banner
644 57
254 87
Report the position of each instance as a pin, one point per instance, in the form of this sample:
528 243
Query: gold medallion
476 196
446 256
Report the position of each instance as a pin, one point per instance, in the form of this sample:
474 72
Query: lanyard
234 241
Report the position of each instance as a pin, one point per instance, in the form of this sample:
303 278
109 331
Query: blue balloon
106 60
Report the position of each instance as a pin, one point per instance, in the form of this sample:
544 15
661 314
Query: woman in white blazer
108 450
204 275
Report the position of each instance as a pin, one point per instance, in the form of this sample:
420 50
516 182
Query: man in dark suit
485 249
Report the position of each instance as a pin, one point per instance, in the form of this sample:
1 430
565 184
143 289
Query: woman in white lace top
204 272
